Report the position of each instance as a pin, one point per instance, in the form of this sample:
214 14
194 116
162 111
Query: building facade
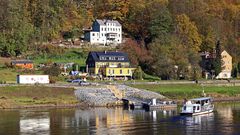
109 64
206 65
104 32
226 66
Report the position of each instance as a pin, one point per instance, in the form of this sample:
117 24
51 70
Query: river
224 121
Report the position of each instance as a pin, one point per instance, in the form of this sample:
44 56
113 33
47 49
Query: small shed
26 64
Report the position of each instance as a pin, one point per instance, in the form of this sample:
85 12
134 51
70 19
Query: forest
164 37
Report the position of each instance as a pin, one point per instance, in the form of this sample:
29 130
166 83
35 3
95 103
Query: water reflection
34 122
225 117
225 120
200 124
103 120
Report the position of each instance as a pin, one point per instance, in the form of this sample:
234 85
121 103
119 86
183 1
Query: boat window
198 108
184 108
194 107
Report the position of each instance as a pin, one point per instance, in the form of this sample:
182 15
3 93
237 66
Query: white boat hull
197 113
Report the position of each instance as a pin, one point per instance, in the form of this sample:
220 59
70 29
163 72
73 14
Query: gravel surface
102 96
96 96
131 93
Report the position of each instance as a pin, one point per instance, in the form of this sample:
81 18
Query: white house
105 32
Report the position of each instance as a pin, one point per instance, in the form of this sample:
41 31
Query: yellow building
226 66
109 64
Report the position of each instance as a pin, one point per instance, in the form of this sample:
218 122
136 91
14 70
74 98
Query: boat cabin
197 105
202 101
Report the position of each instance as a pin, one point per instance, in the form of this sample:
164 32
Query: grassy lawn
12 96
8 75
190 90
70 55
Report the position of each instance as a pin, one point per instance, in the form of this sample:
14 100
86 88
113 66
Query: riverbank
181 91
69 95
72 95
36 96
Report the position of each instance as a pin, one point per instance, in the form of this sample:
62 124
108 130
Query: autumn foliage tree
137 53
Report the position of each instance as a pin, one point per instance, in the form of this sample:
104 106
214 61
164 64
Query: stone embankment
130 92
111 95
96 96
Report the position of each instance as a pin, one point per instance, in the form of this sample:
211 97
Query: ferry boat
197 106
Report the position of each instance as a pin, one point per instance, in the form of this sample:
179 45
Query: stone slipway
111 95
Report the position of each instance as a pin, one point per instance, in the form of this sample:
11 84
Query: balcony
111 35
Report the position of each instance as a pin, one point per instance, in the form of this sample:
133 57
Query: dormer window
102 58
120 58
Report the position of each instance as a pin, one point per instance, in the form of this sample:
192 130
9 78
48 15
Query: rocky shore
113 95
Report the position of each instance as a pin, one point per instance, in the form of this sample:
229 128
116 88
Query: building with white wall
104 32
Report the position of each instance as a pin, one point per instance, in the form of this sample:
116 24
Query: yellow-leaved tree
187 32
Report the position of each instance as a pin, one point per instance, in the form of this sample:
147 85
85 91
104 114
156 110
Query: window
119 35
120 58
109 71
93 34
128 71
102 58
113 71
120 71
102 29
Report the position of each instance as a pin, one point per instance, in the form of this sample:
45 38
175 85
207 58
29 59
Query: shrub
52 79
138 74
53 70
2 82
8 65
50 49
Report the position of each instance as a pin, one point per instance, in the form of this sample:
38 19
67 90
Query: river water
224 121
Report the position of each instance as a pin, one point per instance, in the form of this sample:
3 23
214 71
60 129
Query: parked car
84 83
75 81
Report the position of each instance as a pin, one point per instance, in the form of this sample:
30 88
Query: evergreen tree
238 67
217 62
235 72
